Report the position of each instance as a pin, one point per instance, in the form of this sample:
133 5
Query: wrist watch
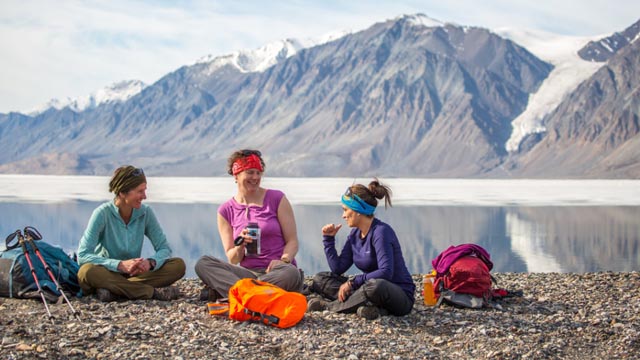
152 264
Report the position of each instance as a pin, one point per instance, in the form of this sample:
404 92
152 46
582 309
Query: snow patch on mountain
260 59
117 92
422 20
568 72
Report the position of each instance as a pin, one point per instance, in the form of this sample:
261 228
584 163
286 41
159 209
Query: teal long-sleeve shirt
108 240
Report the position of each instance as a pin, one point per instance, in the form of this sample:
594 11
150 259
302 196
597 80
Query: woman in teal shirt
110 249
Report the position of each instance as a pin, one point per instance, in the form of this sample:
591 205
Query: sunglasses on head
250 152
137 172
350 195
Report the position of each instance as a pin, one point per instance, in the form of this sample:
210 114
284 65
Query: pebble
568 316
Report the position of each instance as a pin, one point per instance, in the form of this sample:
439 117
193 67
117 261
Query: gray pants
220 275
377 292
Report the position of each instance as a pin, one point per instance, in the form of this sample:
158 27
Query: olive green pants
92 277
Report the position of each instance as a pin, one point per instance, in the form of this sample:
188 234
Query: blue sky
59 49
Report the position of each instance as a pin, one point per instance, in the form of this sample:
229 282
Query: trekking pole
33 234
21 241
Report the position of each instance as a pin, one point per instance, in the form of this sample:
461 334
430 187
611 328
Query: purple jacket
446 258
378 256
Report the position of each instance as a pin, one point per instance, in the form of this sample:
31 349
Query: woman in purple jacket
385 285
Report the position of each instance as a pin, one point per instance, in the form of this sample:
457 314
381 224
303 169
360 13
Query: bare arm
235 254
288 226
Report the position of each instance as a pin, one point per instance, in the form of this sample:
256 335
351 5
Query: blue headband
355 203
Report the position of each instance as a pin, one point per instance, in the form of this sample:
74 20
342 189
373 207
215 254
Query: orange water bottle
428 292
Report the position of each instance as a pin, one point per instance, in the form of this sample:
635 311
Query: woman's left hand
273 264
141 267
130 266
345 291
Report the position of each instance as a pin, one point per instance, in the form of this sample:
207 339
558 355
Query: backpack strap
267 319
13 265
218 308
440 291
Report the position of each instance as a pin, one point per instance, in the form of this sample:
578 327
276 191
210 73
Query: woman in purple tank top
258 232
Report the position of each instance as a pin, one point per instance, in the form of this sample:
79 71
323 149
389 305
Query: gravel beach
560 316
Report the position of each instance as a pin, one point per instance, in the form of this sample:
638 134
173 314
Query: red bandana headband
248 162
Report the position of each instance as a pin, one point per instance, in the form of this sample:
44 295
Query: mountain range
407 97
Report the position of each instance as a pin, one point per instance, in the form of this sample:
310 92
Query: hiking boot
368 312
306 290
316 304
105 295
166 293
208 294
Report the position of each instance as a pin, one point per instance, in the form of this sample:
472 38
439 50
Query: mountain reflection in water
519 238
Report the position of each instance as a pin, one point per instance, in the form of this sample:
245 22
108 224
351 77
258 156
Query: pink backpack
465 278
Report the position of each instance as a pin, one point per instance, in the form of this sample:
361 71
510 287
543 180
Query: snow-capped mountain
603 49
411 96
569 70
421 20
595 129
117 92
260 59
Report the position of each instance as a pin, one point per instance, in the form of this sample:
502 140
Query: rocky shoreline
560 316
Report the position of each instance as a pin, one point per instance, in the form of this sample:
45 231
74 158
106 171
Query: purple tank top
271 238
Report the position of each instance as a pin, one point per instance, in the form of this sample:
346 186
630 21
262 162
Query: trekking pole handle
9 240
32 232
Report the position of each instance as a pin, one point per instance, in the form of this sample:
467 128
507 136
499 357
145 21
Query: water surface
519 238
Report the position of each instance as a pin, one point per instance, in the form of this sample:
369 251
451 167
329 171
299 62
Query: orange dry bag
255 300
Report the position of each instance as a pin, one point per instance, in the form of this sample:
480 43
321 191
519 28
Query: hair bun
380 191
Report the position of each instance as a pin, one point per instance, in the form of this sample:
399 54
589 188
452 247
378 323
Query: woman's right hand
130 266
245 235
331 229
345 291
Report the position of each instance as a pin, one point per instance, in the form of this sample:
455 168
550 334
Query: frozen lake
215 190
